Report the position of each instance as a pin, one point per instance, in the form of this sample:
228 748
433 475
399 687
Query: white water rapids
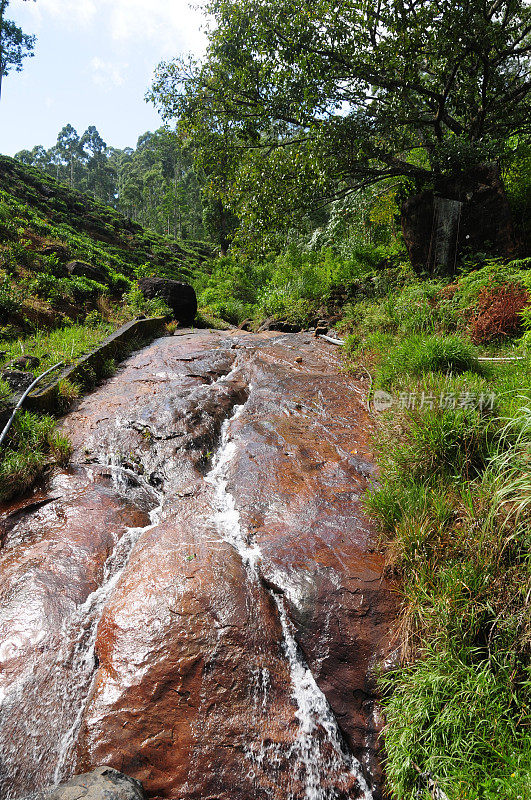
319 747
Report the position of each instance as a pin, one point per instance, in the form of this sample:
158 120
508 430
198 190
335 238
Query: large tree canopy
15 45
353 92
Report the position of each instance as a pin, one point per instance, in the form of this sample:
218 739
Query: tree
15 45
347 93
100 179
69 149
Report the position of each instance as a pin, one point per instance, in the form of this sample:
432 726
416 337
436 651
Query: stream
197 600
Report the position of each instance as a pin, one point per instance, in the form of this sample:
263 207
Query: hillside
44 226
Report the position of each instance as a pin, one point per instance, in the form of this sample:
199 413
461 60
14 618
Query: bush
499 313
8 301
422 307
137 304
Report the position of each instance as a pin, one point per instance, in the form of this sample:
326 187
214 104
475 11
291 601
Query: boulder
24 363
103 783
483 222
180 297
18 380
282 325
59 250
81 269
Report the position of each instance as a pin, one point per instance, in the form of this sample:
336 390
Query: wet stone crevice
166 636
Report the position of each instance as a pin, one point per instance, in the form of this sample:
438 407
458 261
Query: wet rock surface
103 783
197 602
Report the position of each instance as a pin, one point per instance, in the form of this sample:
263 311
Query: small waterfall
319 751
227 517
83 658
70 681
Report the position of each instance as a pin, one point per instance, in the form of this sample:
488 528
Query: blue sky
93 63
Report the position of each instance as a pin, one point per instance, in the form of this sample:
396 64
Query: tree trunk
466 212
223 240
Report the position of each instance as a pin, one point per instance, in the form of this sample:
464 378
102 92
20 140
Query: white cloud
71 12
107 74
171 25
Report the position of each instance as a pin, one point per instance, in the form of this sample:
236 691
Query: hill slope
44 226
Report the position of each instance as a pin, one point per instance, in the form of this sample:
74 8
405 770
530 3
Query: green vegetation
32 445
154 184
453 503
53 315
65 344
300 139
298 104
15 45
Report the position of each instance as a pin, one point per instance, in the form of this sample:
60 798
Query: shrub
137 304
423 307
8 300
499 313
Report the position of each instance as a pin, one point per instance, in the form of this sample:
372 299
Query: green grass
65 344
32 444
453 505
416 355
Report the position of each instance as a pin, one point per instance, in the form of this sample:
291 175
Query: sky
94 61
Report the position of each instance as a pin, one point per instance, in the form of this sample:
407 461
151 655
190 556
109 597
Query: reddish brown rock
54 548
199 689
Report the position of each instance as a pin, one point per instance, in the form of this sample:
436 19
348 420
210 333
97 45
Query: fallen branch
339 342
508 358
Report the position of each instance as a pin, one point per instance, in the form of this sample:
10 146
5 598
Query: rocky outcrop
180 297
17 380
103 783
82 269
54 547
231 648
24 363
282 325
60 251
485 224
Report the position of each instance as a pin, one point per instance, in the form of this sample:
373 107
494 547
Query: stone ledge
44 399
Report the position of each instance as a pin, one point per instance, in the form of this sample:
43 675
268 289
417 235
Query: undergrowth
453 505
33 443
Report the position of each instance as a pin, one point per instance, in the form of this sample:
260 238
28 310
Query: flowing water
219 644
320 753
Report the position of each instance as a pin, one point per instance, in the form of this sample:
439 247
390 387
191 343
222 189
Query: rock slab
103 783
